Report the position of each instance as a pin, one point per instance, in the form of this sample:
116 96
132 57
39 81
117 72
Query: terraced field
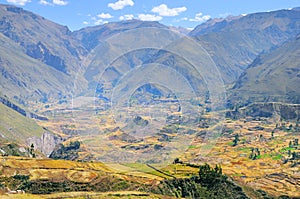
272 170
267 171
129 177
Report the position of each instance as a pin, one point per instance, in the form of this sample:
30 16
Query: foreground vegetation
96 177
46 178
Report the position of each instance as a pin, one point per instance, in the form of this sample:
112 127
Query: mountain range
40 59
133 94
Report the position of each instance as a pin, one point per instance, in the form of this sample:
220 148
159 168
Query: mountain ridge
233 45
260 79
235 42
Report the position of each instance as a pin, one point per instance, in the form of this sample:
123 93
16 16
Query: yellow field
92 195
267 172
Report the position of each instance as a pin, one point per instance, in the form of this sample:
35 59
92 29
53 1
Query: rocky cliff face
46 143
20 110
11 105
285 111
42 53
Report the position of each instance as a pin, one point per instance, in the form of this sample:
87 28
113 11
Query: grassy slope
234 43
83 173
259 83
16 127
95 195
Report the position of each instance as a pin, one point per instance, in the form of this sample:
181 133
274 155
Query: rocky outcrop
46 143
11 105
69 152
20 110
41 52
285 111
35 116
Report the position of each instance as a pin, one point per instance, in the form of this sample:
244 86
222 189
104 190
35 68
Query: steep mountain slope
41 39
235 42
272 77
91 36
16 127
37 56
103 41
40 60
27 79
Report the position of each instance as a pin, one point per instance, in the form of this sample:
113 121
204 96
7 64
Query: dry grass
92 195
262 172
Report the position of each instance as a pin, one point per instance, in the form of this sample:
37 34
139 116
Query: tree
294 156
297 129
177 161
236 139
296 142
255 153
209 176
31 152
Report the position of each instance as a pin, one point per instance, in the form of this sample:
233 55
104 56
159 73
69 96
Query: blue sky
77 14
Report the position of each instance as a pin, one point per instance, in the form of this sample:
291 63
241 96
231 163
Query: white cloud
149 17
100 18
119 5
60 2
126 17
85 23
104 16
98 22
199 17
19 2
54 2
44 2
163 10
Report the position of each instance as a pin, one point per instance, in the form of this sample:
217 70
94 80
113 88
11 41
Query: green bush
210 183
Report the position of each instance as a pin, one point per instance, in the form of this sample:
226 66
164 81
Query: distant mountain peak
91 36
256 21
296 8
